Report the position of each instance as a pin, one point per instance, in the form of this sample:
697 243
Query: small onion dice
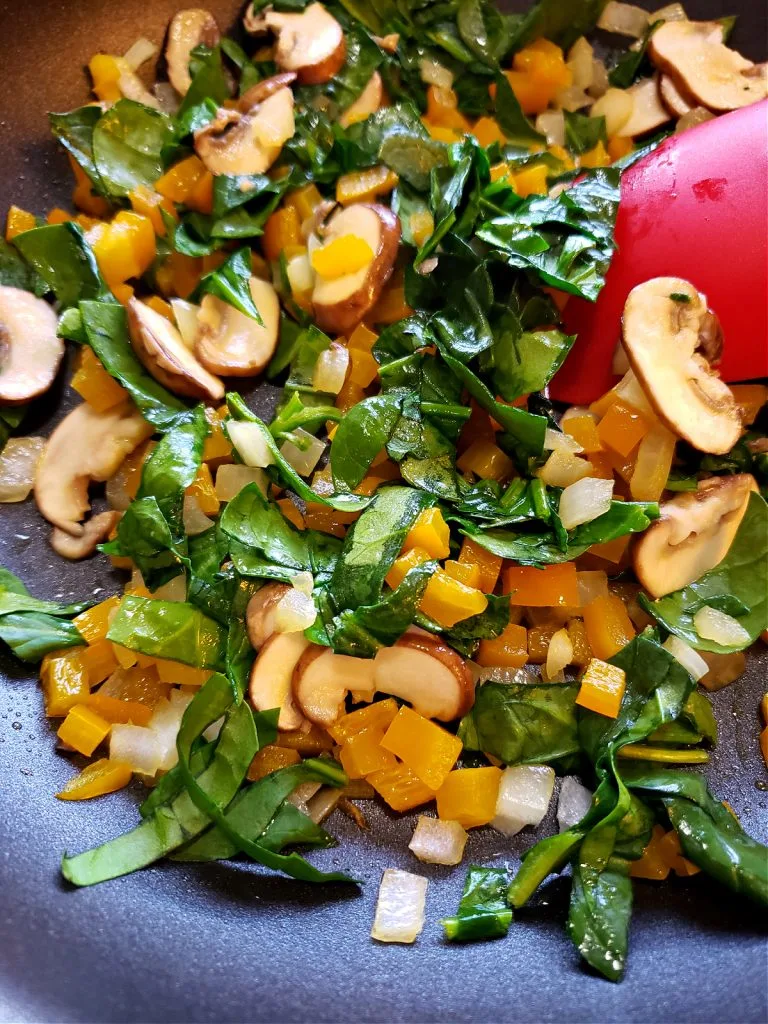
432 73
195 520
524 795
331 369
558 441
573 803
303 452
438 842
231 479
691 660
581 63
294 613
18 462
137 746
623 19
138 54
552 124
173 590
616 106
248 439
585 500
185 314
563 468
712 624
400 907
559 653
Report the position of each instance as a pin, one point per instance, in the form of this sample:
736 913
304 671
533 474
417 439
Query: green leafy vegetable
31 627
231 282
169 629
60 255
483 910
360 436
128 142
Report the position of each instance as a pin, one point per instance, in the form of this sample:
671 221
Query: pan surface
226 942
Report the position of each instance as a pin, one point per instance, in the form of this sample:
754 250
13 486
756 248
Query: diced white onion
400 907
305 455
696 116
303 582
557 440
301 276
301 796
563 468
616 106
672 12
600 81
581 63
571 99
141 51
552 124
167 97
573 803
116 493
213 730
248 438
585 500
323 803
185 314
173 590
195 520
165 722
525 791
432 73
438 842
630 391
712 624
294 612
231 479
559 653
18 463
623 19
691 660
331 369
132 88
137 746
591 584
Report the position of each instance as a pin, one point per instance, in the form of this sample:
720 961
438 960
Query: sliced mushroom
260 613
86 445
264 89
322 680
694 56
427 673
367 103
248 142
160 348
233 344
94 532
667 331
271 674
648 111
311 43
692 535
30 351
188 29
341 303
677 102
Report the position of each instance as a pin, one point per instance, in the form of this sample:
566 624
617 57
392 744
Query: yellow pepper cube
17 222
115 710
487 131
125 658
344 255
94 385
400 788
291 513
490 565
100 661
363 754
403 565
96 779
363 186
93 624
106 72
430 533
598 156
653 864
349 395
619 146
363 368
422 225
531 181
577 634
446 601
423 746
583 429
181 675
378 715
469 796
362 338
670 849
509 649
304 200
392 306
139 685
602 688
486 460
500 172
58 216
270 759
609 627
202 488
179 181
152 205
83 730
64 679
622 428
465 573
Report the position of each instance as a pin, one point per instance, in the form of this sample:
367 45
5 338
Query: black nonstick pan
226 942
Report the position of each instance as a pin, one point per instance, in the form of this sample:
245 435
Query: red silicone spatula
697 208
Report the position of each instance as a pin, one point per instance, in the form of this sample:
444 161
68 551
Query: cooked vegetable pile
421 580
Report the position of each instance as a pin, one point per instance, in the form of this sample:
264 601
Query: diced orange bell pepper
100 661
612 550
304 200
422 225
58 216
123 293
440 133
622 428
508 650
200 197
602 465
465 573
270 759
598 156
430 532
363 754
217 445
750 398
378 715
577 634
83 196
400 788
443 111
282 229
487 131
486 460
349 395
618 147
671 851
362 339
565 158
202 488
551 587
653 864
179 275
94 385
93 624
124 248
106 72
149 204
364 186
162 307
583 430
114 710
83 730
531 181
291 513
490 565
446 601
469 796
64 681
327 520
500 172
17 222
539 638
609 627
403 565
652 464
423 746
602 688
546 61
363 368
182 675
343 255
392 306
136 684
97 779
125 658
532 95
179 182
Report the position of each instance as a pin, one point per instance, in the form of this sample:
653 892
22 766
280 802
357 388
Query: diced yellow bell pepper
363 368
403 565
508 650
83 730
349 395
202 488
344 255
114 710
750 399
93 624
100 661
671 851
179 275
443 110
539 638
577 634
200 198
270 759
363 754
430 532
83 196
106 72
392 306
400 788
622 428
124 248
162 307
149 203
500 172
490 565
364 186
486 460
618 147
469 796
181 675
612 550
123 293
17 222
291 513
378 715
564 157
487 131
609 627
327 520
422 225
304 200
94 385
125 658
545 62
583 430
423 746
598 156
64 681
602 688
446 601
531 181
551 587
764 744
653 865
97 779
281 230
468 574
179 182
362 339
58 216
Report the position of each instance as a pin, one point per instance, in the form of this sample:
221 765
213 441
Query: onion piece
600 80
248 439
323 803
559 653
623 19
185 313
116 492
690 659
331 369
195 520
585 500
136 745
672 12
173 590
400 907
165 723
558 441
141 51
436 841
301 276
573 803
525 791
563 468
294 613
433 73
571 99
581 62
18 462
232 478
303 582
552 124
499 674
616 106
696 116
712 624
305 455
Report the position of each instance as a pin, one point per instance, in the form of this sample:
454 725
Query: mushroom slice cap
427 673
322 680
30 351
188 29
86 445
692 535
693 54
341 303
310 43
648 112
94 532
264 89
247 143
233 344
367 103
677 102
271 675
666 332
161 349
260 613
